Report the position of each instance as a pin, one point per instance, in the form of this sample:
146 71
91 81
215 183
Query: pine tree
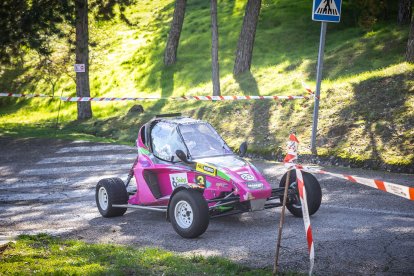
245 44
170 55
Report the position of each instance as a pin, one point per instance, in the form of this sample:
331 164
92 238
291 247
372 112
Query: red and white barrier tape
182 98
186 98
292 150
310 91
16 95
396 189
306 218
291 156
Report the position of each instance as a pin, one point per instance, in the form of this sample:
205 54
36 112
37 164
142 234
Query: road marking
84 193
83 169
16 183
94 148
76 159
49 207
384 212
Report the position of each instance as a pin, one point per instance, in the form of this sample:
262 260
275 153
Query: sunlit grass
363 72
43 254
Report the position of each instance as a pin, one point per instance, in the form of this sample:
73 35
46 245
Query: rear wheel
313 193
110 191
189 213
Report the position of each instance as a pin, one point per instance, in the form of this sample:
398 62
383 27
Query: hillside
367 102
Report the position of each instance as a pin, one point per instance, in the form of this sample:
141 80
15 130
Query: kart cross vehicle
186 170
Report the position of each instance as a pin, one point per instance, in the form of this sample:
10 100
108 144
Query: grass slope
46 255
367 103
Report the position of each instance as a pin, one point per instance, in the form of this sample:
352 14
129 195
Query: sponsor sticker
209 170
221 185
247 176
178 179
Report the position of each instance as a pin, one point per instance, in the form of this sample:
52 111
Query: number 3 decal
201 180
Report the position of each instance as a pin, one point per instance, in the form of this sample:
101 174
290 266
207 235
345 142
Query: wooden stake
281 222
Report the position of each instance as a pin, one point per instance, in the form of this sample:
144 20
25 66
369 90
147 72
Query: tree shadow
259 111
360 54
166 81
247 84
383 115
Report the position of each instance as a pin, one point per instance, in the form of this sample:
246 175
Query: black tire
111 191
313 194
199 211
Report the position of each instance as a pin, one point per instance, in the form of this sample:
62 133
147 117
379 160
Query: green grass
44 254
367 104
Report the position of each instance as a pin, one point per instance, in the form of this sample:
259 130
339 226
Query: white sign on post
79 68
327 10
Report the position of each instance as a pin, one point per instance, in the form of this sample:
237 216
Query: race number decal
200 180
178 179
247 176
209 170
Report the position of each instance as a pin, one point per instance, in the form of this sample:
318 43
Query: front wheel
189 213
111 191
313 193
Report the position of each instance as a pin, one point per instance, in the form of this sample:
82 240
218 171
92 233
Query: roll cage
176 121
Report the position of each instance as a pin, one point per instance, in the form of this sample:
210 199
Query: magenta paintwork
229 177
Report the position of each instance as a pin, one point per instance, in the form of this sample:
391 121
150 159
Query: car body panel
216 175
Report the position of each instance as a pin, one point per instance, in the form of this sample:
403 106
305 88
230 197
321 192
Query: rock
136 109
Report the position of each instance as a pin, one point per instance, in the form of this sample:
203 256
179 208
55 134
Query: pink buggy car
186 170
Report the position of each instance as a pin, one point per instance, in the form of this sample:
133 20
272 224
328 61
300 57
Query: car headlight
254 185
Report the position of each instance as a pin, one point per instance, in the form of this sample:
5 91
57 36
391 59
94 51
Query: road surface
47 186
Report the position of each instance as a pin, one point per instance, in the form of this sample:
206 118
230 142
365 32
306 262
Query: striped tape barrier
306 218
182 98
17 95
396 189
310 91
291 156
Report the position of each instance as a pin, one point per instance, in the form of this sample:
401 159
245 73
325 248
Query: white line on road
49 206
82 169
72 182
384 212
94 148
84 193
75 159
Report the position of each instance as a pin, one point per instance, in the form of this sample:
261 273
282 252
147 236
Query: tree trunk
410 44
404 12
214 49
246 39
170 55
82 57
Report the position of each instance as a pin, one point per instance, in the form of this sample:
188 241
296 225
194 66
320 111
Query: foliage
362 69
366 13
31 24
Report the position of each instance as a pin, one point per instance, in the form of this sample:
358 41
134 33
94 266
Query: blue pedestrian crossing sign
327 10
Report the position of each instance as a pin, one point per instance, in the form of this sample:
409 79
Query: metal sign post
325 11
318 86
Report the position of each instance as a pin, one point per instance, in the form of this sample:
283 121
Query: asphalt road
47 186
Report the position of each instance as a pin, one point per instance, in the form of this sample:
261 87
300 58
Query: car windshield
203 141
166 141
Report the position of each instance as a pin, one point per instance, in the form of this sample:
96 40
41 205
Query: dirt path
48 186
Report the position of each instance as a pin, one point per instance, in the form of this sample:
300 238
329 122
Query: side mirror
183 157
243 149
